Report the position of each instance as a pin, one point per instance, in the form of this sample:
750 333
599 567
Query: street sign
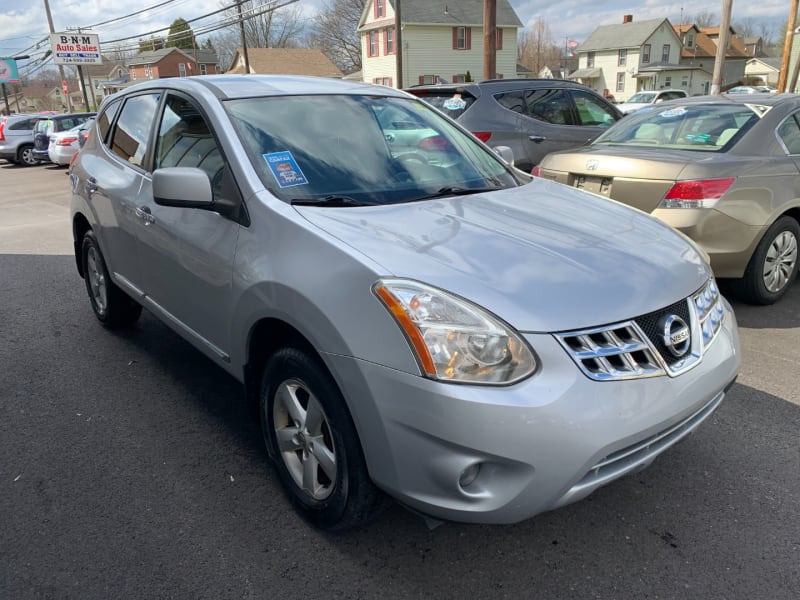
75 49
8 71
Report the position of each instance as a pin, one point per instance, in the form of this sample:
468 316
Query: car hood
543 257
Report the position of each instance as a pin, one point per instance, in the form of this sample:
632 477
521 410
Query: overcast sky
24 23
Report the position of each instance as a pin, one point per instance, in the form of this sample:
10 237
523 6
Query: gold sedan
724 170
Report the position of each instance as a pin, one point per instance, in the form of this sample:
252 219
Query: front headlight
455 340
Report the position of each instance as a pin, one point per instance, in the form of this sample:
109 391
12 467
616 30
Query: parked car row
32 139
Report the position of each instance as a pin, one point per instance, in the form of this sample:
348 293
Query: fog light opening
469 475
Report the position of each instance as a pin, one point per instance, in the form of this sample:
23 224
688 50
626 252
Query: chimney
627 19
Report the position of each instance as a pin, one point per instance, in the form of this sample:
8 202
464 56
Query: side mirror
182 187
506 153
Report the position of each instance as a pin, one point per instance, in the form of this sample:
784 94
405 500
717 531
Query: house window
387 81
646 53
622 56
620 82
499 45
133 73
203 69
380 8
462 38
181 69
685 81
668 80
388 41
590 59
372 43
665 53
428 79
689 41
461 78
148 71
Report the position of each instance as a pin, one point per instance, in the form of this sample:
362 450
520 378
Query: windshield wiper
454 191
330 201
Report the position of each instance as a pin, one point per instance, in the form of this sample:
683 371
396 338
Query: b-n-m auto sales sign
75 48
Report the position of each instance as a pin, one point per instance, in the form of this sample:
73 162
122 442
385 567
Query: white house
441 41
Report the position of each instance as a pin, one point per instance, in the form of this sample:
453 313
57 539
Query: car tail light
536 171
2 126
482 135
66 141
698 193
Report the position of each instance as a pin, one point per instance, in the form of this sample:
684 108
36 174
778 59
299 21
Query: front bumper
542 443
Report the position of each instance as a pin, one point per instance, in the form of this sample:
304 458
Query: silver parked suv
410 315
16 139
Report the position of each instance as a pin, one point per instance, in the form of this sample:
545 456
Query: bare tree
536 47
703 19
335 33
282 27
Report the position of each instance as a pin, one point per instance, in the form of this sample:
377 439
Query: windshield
369 149
642 98
702 127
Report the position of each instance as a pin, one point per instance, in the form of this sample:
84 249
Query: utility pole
398 41
787 47
60 67
722 46
489 39
244 39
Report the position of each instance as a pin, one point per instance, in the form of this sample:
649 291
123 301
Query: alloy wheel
304 439
97 280
780 261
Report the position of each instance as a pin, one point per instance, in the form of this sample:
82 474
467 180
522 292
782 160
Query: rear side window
25 124
550 106
453 103
789 132
592 111
130 136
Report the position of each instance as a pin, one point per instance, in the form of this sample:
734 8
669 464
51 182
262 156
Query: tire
112 307
311 439
25 156
773 266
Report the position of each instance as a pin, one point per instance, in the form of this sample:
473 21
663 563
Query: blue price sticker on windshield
455 103
285 169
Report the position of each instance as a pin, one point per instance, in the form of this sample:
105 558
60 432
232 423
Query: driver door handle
537 138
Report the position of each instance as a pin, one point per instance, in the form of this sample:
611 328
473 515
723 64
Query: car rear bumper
540 444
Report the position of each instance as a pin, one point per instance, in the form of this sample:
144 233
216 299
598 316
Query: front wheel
311 437
773 266
112 307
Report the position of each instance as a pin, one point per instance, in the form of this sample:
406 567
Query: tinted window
185 140
551 106
106 117
130 136
25 124
453 103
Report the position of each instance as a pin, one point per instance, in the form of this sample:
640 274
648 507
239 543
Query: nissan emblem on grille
676 335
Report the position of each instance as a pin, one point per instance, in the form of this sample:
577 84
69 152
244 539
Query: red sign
65 87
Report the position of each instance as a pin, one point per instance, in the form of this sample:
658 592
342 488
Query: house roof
285 61
151 57
451 13
769 61
105 69
620 35
705 47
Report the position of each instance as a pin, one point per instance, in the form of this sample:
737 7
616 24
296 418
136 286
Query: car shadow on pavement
784 314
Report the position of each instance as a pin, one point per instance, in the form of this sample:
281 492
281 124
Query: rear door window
548 105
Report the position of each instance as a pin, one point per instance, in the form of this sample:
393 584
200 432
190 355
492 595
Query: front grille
650 326
638 348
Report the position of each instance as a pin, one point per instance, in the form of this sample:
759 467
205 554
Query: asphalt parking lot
131 468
